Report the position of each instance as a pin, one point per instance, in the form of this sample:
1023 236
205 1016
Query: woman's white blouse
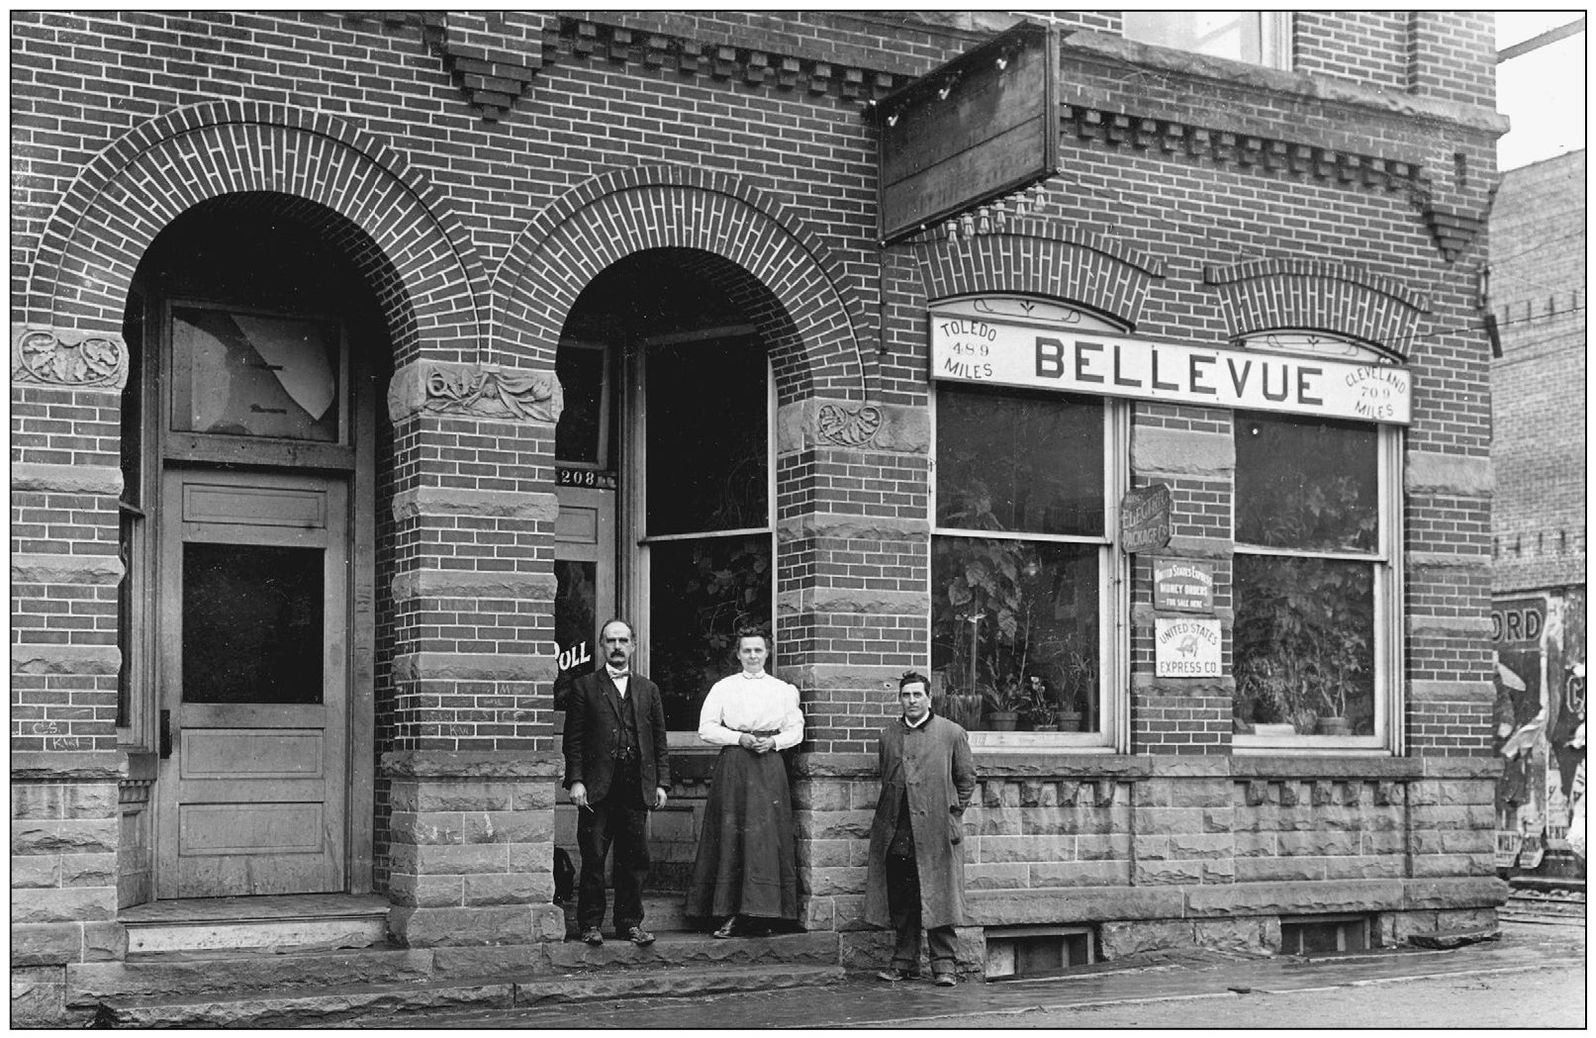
741 703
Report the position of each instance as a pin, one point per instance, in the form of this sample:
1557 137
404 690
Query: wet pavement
861 1000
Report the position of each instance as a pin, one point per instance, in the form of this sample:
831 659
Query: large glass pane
1304 644
702 592
707 438
1014 631
575 623
1020 462
1224 34
581 374
249 375
1307 484
252 624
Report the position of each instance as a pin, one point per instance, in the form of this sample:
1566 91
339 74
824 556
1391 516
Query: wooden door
254 684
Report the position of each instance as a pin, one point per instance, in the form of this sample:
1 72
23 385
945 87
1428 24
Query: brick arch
429 274
1082 267
1318 295
768 253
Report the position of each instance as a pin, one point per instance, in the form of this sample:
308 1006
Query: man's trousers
622 822
903 902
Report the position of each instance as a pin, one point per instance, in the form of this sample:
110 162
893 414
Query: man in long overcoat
916 868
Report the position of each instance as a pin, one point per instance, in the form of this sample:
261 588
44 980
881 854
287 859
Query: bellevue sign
965 348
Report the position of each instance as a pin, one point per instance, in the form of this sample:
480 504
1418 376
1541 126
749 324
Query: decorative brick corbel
1452 229
491 64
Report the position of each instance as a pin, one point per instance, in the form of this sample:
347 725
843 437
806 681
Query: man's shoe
637 935
945 980
893 973
593 935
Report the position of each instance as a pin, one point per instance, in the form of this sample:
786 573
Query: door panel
254 681
258 753
226 829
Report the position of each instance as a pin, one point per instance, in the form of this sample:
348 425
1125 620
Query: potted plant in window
1304 650
1006 700
957 703
1042 710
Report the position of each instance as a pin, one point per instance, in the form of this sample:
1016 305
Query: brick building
1537 296
362 364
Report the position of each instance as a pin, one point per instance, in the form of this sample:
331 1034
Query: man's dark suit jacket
593 734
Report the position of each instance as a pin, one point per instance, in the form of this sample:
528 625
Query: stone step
257 988
670 950
202 925
375 1006
663 913
190 975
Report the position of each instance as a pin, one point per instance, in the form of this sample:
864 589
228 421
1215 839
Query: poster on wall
1519 717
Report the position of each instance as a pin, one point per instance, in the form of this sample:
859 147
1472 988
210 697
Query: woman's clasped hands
757 743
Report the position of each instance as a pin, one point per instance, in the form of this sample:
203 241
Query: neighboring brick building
362 363
1537 295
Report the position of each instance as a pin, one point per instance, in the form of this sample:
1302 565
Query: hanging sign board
982 126
1185 648
1038 356
1144 519
1183 584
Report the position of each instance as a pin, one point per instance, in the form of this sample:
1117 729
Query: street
1532 976
1536 997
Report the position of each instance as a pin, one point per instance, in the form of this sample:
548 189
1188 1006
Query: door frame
356 460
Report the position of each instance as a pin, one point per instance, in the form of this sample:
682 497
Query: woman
744 869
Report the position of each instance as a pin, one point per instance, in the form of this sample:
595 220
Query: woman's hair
752 631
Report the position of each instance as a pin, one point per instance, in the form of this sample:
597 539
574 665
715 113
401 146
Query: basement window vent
1324 934
1038 951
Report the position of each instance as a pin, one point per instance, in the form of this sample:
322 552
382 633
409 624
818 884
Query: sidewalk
863 1001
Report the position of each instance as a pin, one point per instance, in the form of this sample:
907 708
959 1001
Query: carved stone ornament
486 393
67 357
848 428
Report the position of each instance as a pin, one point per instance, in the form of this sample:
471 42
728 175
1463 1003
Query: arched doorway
250 432
665 478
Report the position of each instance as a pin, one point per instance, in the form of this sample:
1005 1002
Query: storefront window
715 586
1308 578
708 531
1018 560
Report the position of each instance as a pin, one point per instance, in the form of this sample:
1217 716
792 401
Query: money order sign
1002 351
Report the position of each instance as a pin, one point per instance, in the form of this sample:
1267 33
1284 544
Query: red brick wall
1452 55
1538 296
1369 46
487 235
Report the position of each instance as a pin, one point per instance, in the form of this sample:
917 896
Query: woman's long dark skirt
745 848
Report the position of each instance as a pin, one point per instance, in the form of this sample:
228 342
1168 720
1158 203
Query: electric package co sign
970 349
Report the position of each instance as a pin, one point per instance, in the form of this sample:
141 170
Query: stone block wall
1155 853
65 831
472 848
